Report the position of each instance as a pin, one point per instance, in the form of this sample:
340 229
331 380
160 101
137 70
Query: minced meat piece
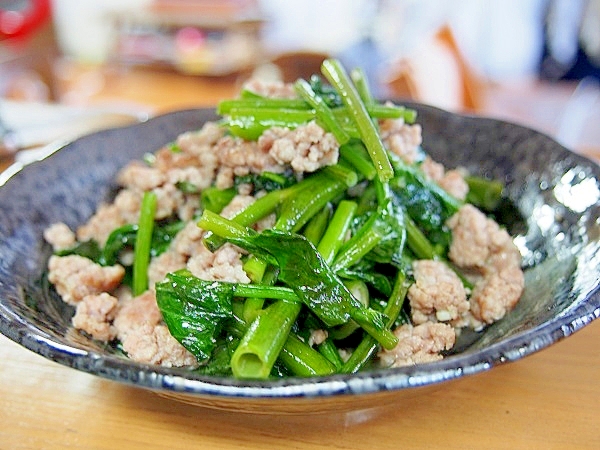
274 89
94 315
317 337
452 181
479 242
135 311
165 263
75 277
101 224
306 148
496 294
437 294
418 344
237 204
480 246
187 210
139 327
168 201
128 203
154 344
196 169
188 241
60 236
402 139
194 177
225 264
139 176
196 142
238 157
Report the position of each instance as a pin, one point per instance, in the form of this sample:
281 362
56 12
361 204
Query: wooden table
548 400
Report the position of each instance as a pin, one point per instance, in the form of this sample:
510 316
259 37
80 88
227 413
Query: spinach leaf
120 238
267 181
302 268
427 204
365 271
215 199
325 91
125 236
88 249
219 363
194 310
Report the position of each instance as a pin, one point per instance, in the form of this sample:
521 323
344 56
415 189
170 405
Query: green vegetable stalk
337 76
143 243
197 311
368 346
303 269
263 341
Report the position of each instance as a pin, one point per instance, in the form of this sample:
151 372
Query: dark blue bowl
553 200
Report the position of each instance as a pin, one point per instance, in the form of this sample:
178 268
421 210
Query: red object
20 23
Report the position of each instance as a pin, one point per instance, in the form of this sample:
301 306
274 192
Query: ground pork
75 277
452 181
128 203
139 176
237 204
437 294
197 169
266 223
195 142
136 311
188 241
317 337
101 224
237 157
496 294
276 89
402 139
155 345
94 315
60 236
161 265
481 247
306 148
225 264
187 210
418 344
168 201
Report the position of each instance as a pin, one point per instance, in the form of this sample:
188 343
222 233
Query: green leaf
267 181
124 237
303 270
88 249
425 202
194 310
215 199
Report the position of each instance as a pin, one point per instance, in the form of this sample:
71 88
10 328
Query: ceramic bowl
552 205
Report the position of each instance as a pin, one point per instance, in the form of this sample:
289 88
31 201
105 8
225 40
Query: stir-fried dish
305 233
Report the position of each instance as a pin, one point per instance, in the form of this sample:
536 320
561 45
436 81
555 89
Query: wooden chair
408 78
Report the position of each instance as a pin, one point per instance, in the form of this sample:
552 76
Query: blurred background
71 66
